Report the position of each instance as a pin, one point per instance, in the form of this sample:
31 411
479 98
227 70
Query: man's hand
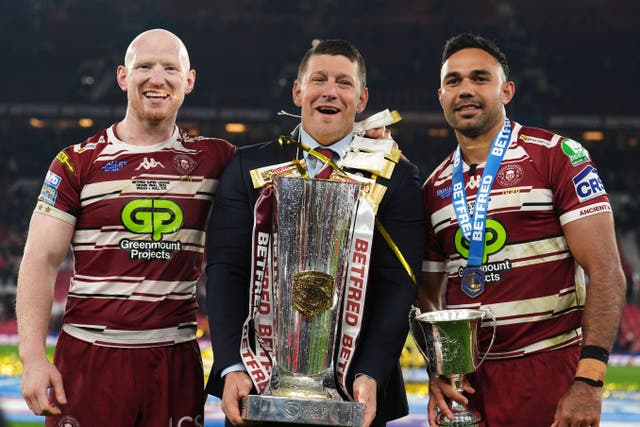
39 376
365 390
441 390
378 133
237 385
581 405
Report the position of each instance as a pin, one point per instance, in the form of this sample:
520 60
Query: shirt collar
340 147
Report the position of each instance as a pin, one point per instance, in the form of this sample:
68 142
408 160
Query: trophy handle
487 312
419 337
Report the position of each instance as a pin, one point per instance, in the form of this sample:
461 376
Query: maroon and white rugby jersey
532 283
140 215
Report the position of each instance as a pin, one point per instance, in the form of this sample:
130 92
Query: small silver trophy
447 339
313 223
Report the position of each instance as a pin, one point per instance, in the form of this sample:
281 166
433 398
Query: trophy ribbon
356 289
259 363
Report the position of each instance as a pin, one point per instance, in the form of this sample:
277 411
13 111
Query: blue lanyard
473 229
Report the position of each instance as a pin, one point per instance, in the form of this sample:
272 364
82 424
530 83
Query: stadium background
575 64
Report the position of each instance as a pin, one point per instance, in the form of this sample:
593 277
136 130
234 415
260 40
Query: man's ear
191 81
508 91
362 100
121 77
296 93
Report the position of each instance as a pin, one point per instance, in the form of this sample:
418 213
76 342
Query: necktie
326 170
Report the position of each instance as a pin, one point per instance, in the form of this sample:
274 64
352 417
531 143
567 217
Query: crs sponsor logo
588 184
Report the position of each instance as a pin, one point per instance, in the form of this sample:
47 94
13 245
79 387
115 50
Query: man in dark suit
330 90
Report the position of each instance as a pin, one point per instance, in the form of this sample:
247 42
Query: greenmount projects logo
155 217
495 238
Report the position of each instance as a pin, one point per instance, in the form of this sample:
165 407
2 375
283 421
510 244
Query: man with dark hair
333 48
516 217
330 90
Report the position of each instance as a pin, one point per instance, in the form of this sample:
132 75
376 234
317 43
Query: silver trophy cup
313 220
447 339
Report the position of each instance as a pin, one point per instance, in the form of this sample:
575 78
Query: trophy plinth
302 410
447 339
313 221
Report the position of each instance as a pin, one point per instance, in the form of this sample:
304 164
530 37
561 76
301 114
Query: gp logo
495 236
152 216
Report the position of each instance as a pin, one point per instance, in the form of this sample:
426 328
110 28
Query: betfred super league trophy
447 339
313 223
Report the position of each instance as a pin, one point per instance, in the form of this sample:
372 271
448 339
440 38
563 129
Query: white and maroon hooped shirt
140 214
532 283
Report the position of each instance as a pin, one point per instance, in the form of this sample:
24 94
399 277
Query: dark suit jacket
390 291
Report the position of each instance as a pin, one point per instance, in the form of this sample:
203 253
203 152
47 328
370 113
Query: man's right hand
38 376
237 385
441 391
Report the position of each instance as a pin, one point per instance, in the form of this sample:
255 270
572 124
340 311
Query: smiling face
473 92
156 77
330 94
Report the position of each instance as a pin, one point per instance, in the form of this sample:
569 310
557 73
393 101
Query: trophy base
326 412
460 419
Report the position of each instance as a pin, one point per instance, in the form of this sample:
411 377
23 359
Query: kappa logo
147 164
152 216
474 182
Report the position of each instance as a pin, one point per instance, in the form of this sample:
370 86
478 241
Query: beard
475 126
155 113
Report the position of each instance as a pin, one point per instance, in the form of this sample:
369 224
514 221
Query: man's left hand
581 405
365 390
378 133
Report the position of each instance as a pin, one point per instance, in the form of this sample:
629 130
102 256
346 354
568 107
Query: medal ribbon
473 229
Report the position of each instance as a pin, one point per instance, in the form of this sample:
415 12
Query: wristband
594 352
592 383
591 368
